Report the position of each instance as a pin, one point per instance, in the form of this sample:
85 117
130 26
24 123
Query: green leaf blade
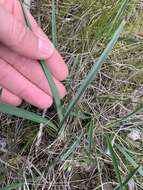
72 148
94 70
53 88
115 163
130 159
4 108
13 186
46 69
128 178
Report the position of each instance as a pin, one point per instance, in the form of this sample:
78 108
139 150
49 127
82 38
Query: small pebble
135 135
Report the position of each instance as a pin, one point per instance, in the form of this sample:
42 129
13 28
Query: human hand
21 76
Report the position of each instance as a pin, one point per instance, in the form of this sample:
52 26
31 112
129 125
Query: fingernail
46 48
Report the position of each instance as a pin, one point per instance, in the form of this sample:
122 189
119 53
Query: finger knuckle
17 35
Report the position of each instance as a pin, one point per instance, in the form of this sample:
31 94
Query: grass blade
119 14
4 108
13 186
53 88
90 136
130 159
72 148
94 70
121 10
139 109
128 178
47 73
127 117
115 163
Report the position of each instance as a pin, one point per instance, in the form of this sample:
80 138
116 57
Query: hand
21 75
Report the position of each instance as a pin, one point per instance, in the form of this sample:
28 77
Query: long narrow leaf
4 108
94 71
127 117
139 109
47 73
120 12
128 178
130 159
90 136
72 148
53 88
115 163
13 186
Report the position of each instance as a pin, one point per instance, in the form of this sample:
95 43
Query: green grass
43 62
122 183
4 108
115 163
13 186
93 72
101 102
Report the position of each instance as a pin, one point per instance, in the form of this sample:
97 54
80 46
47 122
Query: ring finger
9 98
17 84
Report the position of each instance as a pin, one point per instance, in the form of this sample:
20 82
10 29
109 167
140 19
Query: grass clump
111 105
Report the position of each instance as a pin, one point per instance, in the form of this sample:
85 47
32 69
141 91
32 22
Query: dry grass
82 28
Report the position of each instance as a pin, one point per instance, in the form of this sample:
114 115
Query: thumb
20 39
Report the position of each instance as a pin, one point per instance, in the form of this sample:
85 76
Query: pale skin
21 75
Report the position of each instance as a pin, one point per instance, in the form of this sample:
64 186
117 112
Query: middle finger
31 69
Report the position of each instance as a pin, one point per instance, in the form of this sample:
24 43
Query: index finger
55 62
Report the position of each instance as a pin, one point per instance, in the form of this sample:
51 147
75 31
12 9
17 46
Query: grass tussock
95 150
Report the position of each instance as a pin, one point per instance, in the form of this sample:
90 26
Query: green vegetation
93 149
